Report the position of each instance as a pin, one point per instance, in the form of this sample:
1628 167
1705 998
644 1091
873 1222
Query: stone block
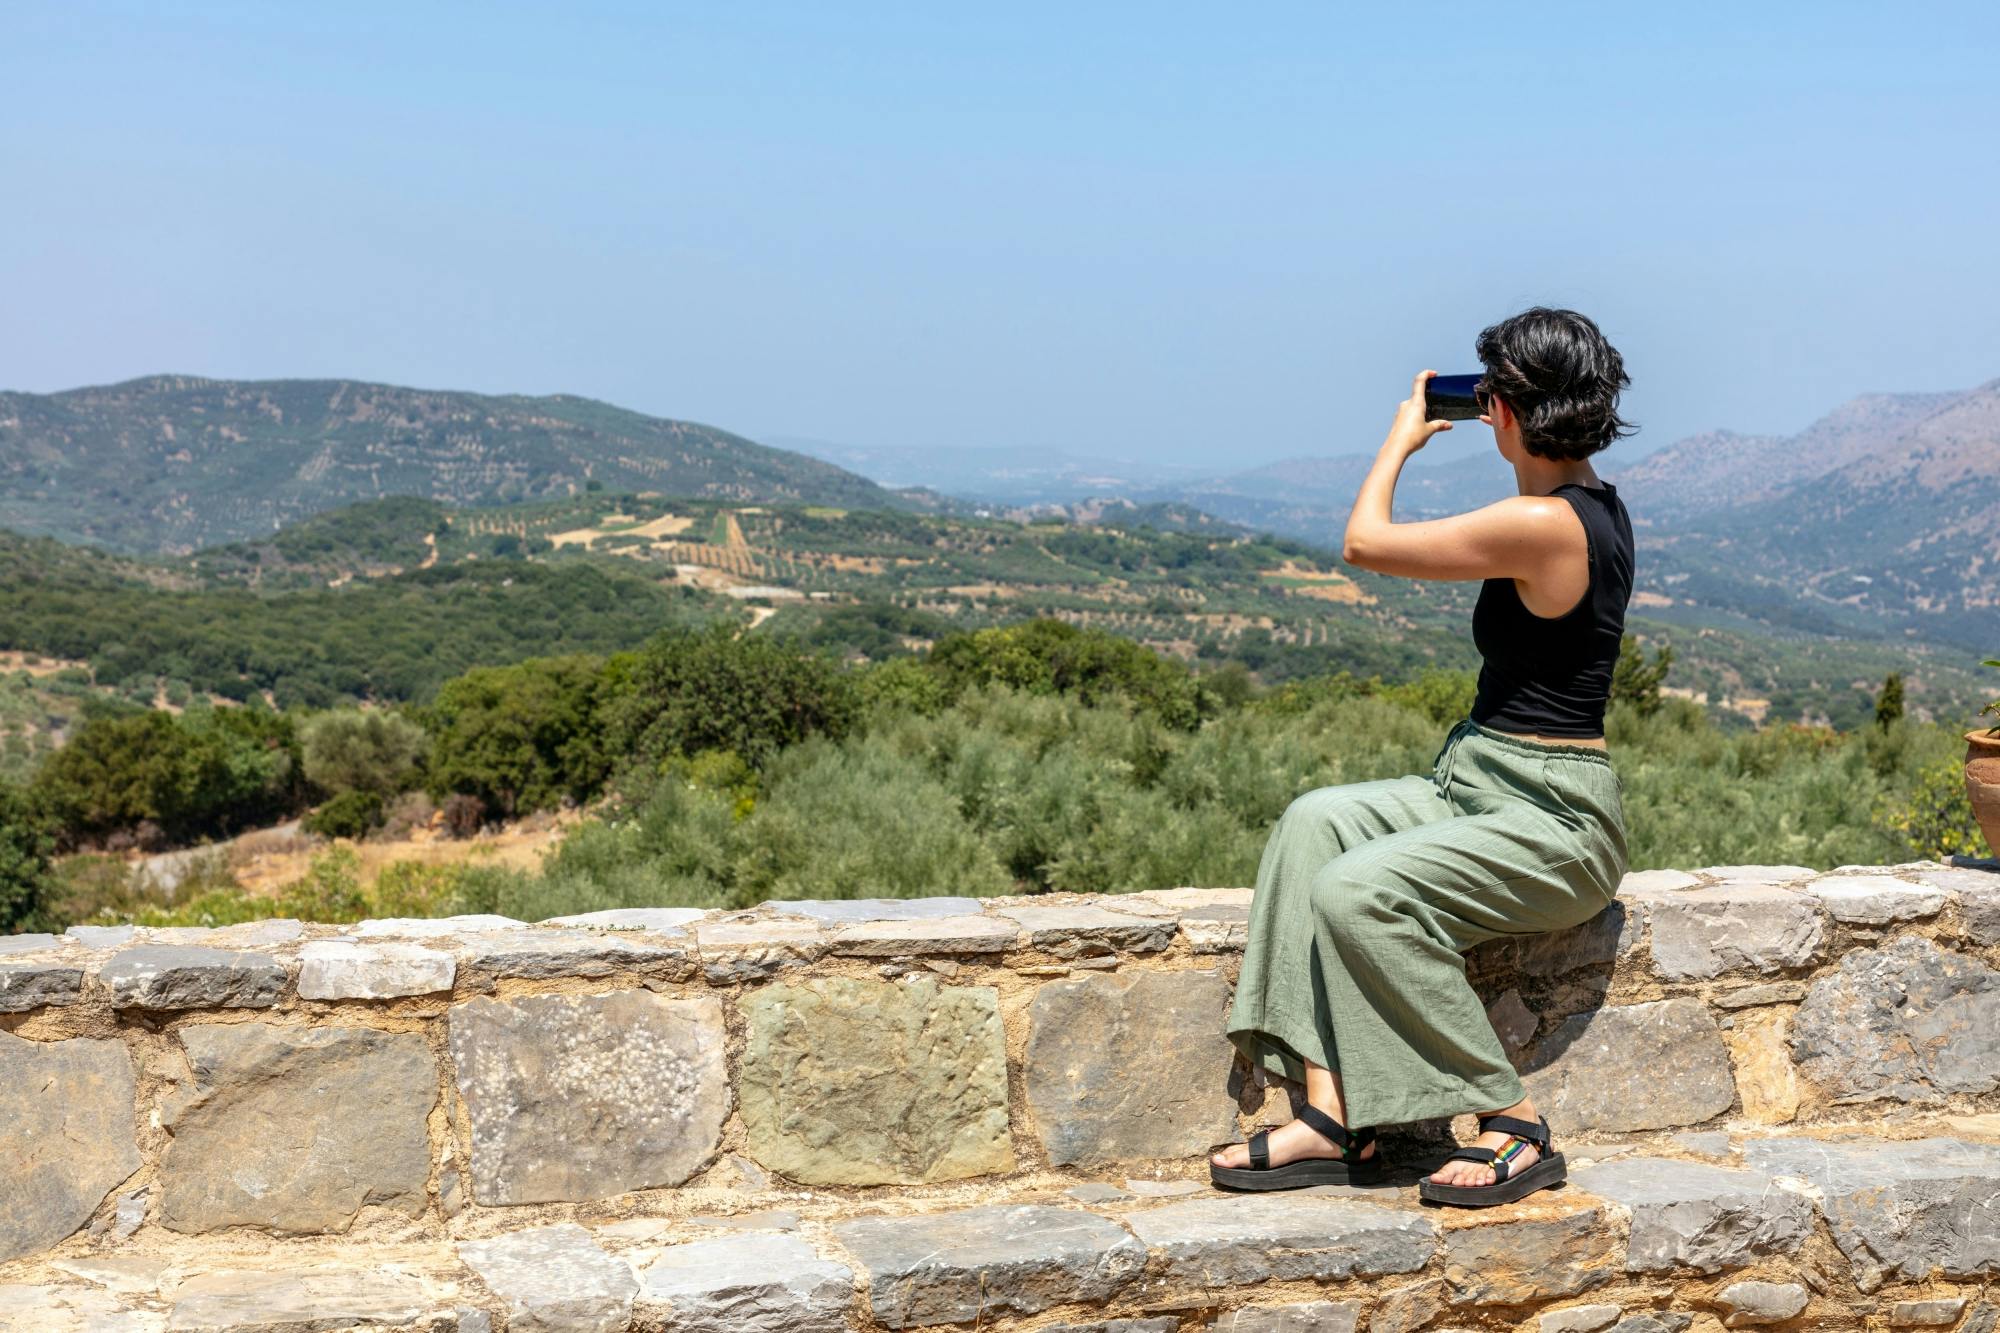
555 1280
751 1283
25 986
1222 928
1303 1317
1513 1021
102 937
1161 1324
1692 1215
266 934
1580 1319
544 953
428 928
575 1097
958 1267
1939 1312
1766 992
1914 1209
1408 1308
670 919
136 1274
1181 903
172 977
1706 1142
1704 933
856 911
738 950
926 935
1657 1065
1761 1302
1123 1068
847 1082
295 1129
244 1301
1757 874
1875 900
1978 895
11 945
67 1136
1653 1321
1766 1081
43 1309
1907 1022
1605 938
1070 931
348 970
1519 1260
1236 1240
1654 881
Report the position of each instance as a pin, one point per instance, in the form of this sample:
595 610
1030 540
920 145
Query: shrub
1054 657
1635 681
904 685
1889 702
407 811
464 815
1442 696
356 750
1935 821
330 890
207 772
519 738
27 845
857 821
349 815
686 692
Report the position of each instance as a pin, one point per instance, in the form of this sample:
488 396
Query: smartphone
1450 398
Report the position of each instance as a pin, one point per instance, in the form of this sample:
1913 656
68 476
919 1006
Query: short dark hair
1561 377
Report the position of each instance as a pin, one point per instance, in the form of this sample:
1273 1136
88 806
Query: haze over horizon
1116 233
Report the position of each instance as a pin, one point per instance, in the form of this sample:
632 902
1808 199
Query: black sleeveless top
1551 675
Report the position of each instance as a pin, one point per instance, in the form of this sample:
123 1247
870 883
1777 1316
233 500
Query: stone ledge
1639 1242
1721 921
948 1044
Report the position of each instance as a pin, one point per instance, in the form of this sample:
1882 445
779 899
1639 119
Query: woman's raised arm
1522 536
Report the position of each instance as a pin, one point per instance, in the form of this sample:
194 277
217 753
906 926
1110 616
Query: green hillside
385 600
172 463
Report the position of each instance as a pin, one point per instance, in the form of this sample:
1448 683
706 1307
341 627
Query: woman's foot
1294 1141
1476 1174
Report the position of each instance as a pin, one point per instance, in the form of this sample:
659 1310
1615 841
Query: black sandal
1350 1168
1506 1186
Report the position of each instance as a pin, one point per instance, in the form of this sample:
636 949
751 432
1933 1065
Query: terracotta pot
1982 783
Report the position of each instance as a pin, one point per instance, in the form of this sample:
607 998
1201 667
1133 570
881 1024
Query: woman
1353 980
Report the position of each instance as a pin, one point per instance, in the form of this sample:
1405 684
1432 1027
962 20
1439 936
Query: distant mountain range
1005 478
171 463
1881 518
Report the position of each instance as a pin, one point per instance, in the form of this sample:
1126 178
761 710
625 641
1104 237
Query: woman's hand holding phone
1413 427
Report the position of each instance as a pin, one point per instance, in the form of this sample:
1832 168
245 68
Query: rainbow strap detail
1510 1152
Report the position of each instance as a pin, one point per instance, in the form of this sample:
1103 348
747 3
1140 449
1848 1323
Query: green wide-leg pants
1368 895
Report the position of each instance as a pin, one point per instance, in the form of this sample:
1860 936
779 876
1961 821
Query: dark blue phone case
1450 398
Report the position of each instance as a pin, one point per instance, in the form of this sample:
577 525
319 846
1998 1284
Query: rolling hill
1881 518
172 463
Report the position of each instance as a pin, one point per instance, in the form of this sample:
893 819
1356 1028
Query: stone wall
893 1114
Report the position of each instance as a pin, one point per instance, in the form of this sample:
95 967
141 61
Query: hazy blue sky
1201 232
